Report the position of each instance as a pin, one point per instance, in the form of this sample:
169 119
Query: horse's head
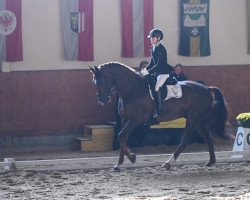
103 84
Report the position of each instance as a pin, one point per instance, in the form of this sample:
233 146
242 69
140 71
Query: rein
113 91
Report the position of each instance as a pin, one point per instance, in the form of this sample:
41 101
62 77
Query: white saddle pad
174 91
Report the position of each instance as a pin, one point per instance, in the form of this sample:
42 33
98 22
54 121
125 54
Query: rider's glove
144 72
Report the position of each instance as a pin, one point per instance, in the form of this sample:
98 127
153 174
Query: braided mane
115 64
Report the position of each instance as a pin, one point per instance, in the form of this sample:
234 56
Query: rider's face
153 40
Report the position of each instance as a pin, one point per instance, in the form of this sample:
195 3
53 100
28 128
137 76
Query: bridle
110 90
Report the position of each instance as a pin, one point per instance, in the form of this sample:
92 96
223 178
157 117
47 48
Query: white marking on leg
116 167
169 161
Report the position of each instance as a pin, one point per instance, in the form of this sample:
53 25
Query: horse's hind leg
204 130
186 139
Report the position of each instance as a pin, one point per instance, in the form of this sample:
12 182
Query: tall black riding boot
158 102
155 95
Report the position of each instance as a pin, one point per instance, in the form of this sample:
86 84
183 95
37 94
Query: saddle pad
174 91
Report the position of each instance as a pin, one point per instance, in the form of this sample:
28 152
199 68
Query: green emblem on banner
195 18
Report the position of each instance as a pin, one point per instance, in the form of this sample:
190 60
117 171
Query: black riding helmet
156 33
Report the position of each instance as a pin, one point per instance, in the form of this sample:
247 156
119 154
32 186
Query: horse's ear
96 69
92 70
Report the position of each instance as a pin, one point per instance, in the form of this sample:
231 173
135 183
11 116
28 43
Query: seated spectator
178 73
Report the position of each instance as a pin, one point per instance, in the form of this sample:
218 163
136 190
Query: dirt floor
223 181
227 181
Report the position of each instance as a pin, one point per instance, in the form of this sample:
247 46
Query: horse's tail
219 114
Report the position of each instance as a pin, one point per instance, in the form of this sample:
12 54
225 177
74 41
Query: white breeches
160 81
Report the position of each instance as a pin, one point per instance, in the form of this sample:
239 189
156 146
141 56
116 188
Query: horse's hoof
116 169
210 164
167 166
132 157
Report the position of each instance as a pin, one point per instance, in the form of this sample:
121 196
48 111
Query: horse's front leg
120 161
124 150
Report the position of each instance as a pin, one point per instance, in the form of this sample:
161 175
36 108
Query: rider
158 68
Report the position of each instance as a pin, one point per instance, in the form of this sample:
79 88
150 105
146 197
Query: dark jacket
158 64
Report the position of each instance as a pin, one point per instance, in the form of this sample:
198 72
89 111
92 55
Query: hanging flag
194 22
137 21
11 48
77 21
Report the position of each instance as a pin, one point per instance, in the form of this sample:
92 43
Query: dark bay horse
203 107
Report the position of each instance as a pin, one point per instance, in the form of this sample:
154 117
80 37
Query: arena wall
53 102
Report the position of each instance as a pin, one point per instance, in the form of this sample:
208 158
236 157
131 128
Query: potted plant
242 141
243 120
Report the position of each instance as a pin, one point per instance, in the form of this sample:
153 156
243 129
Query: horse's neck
128 83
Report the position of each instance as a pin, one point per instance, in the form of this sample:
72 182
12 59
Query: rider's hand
144 72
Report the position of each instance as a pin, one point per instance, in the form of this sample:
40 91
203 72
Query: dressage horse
203 107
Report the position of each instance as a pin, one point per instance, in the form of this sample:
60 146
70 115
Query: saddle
170 89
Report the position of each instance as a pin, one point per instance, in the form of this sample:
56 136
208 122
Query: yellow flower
244 120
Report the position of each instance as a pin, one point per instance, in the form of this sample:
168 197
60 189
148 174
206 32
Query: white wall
43 47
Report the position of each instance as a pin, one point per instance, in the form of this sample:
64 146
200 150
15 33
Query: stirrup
155 113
